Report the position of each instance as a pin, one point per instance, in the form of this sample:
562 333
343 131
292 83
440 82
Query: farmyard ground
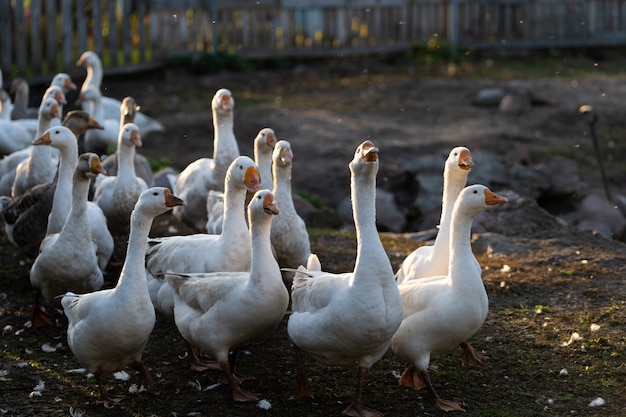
557 283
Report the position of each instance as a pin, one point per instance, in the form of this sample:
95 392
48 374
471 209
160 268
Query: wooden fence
42 37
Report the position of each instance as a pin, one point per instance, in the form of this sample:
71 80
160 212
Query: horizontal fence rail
43 37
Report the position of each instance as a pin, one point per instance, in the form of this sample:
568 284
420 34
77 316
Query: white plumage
342 319
228 251
109 329
204 174
443 311
222 311
67 260
117 195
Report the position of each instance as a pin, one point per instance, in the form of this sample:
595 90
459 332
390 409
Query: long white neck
263 162
62 195
234 223
41 155
453 184
133 274
94 76
225 148
371 255
282 189
263 264
125 163
77 222
461 256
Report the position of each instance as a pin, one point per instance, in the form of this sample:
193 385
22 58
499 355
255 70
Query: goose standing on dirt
26 217
221 312
228 251
67 260
428 261
109 329
204 174
290 238
117 195
41 164
443 311
263 146
110 106
345 318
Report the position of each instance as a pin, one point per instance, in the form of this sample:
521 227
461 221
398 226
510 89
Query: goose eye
475 191
155 193
240 167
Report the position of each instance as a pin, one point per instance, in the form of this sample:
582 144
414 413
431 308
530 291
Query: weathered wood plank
35 36
67 34
20 38
6 39
81 28
51 36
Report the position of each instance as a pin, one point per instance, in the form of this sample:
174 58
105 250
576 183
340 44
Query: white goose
228 251
41 164
26 217
128 111
117 195
99 141
442 311
65 141
64 81
223 311
67 260
427 261
109 329
345 318
111 106
204 174
290 239
263 146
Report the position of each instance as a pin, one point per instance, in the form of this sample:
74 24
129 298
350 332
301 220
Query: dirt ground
555 283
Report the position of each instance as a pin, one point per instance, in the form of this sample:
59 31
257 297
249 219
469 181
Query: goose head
157 200
59 137
265 140
129 109
474 199
243 172
460 160
79 121
365 159
282 155
49 109
55 92
129 135
263 201
223 102
87 59
89 165
64 81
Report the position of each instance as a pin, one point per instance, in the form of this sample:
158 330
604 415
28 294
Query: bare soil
557 282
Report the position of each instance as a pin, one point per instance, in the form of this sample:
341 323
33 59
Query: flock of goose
248 266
